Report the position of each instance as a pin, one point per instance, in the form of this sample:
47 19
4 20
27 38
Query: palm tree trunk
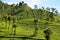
8 28
14 32
36 29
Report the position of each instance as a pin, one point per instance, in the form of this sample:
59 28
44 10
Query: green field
26 28
21 22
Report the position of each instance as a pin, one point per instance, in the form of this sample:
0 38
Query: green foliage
23 16
23 11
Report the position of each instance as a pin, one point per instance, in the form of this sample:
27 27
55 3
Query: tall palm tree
14 27
36 28
20 3
41 13
43 8
47 33
0 1
53 9
47 13
56 12
33 13
9 19
5 19
51 16
48 9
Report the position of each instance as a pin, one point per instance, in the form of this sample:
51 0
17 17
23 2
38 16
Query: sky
39 3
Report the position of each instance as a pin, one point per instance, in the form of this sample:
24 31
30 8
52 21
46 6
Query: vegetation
21 20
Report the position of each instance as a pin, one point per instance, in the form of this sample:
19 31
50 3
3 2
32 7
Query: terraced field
26 28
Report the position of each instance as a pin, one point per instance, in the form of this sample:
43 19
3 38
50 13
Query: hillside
21 20
23 11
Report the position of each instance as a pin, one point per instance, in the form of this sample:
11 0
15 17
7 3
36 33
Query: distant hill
23 11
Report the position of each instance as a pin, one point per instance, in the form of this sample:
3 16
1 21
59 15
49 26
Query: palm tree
9 19
56 12
43 8
12 9
47 13
36 28
41 13
35 6
0 1
47 33
14 19
27 15
20 3
51 16
48 9
14 27
53 9
33 13
5 18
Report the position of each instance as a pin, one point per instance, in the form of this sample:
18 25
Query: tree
27 14
0 1
14 27
53 9
5 19
47 33
43 8
36 28
12 9
33 13
51 16
41 13
20 4
56 12
48 9
9 19
47 13
14 19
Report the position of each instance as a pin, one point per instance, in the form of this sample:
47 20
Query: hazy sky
39 3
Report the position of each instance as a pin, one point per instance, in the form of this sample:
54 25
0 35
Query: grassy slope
26 28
